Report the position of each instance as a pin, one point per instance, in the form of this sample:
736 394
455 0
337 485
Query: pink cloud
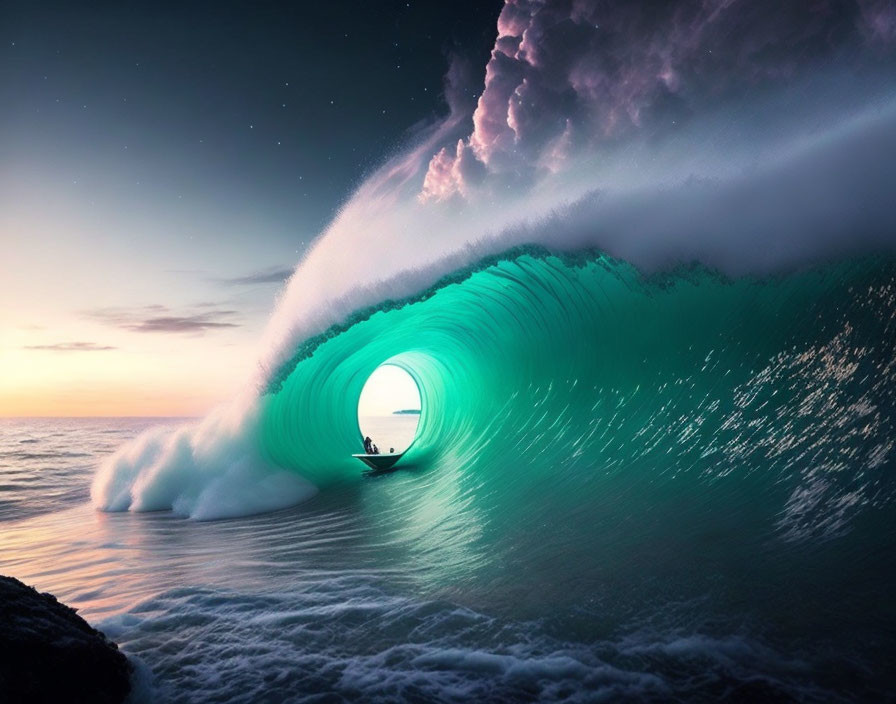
583 72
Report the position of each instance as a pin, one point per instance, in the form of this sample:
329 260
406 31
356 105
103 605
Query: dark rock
50 654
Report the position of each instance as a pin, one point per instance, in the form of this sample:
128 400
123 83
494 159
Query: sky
164 166
387 390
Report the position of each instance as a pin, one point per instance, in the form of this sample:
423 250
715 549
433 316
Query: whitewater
655 455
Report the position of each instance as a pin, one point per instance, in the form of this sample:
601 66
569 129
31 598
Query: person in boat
374 450
368 443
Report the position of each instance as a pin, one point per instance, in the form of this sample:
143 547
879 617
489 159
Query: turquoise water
622 487
580 371
678 449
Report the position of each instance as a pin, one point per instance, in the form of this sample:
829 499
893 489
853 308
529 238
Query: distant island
407 412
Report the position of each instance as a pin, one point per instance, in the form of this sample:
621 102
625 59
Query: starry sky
164 165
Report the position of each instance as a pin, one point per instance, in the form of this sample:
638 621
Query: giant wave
545 312
542 262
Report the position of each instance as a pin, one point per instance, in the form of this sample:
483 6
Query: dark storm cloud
160 319
567 75
273 275
71 347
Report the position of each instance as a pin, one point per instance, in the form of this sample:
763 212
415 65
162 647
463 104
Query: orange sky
103 312
68 365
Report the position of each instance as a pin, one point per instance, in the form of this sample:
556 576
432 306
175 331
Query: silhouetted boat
380 462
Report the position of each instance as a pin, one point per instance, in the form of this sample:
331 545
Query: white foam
205 471
741 207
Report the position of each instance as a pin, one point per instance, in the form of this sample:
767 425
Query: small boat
380 462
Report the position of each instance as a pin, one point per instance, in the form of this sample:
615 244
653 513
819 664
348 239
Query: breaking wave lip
822 197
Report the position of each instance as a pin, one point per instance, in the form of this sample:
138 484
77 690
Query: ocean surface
621 489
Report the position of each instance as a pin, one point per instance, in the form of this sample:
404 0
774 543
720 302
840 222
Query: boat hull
380 462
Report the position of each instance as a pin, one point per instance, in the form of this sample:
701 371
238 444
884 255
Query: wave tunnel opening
389 409
312 424
462 343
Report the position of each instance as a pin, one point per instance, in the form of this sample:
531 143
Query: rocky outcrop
50 654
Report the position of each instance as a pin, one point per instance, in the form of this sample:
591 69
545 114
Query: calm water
394 431
46 464
384 590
